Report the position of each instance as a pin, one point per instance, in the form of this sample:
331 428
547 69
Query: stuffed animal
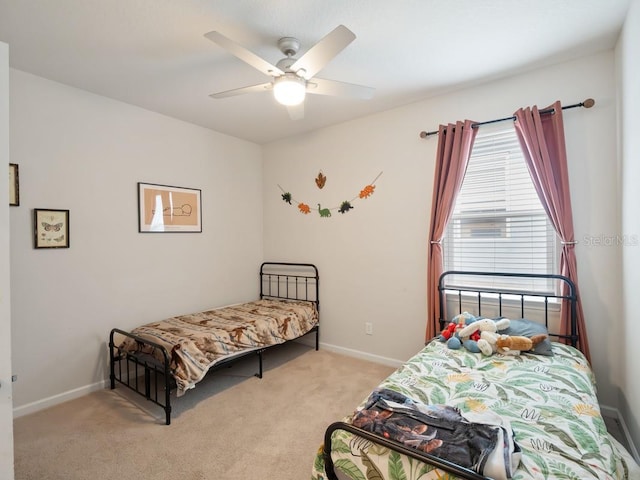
450 333
514 344
471 335
484 325
487 343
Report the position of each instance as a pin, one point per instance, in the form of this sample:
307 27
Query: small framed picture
163 208
14 185
51 228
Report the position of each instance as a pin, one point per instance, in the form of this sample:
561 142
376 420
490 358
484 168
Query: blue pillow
528 328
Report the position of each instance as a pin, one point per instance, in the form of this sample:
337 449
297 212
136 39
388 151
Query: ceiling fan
293 78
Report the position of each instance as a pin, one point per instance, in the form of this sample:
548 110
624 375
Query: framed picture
51 228
14 185
162 208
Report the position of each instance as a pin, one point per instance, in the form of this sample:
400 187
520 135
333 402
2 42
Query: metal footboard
147 371
127 368
427 458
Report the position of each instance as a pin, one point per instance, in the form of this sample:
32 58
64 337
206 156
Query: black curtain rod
588 103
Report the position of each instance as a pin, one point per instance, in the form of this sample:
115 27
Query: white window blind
499 224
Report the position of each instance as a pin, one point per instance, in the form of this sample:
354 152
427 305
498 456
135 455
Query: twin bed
174 354
444 414
454 414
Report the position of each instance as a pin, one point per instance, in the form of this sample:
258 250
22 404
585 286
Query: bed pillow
528 328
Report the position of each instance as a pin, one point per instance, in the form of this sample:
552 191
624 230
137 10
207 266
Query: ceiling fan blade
243 54
317 57
263 87
321 86
296 112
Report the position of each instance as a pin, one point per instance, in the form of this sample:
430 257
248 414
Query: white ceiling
152 53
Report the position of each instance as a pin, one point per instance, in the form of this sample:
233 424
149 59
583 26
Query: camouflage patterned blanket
198 341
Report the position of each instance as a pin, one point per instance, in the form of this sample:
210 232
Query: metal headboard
290 281
564 291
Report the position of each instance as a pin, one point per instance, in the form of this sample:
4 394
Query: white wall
372 260
6 402
86 153
629 77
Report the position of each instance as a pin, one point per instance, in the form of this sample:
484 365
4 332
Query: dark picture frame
50 228
166 209
14 185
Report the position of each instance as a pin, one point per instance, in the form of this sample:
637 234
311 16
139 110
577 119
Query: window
499 224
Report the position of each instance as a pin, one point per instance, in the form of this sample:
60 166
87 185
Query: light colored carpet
232 426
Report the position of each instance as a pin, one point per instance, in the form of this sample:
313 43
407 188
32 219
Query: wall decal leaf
321 180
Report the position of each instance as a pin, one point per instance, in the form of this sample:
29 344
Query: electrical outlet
368 328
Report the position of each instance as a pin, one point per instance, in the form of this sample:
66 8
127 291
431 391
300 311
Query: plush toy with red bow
451 336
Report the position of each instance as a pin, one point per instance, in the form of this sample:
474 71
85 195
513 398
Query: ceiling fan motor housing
289 46
285 64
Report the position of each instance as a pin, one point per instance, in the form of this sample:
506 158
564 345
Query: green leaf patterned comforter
550 402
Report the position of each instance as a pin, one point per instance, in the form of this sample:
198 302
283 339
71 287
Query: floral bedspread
549 401
198 341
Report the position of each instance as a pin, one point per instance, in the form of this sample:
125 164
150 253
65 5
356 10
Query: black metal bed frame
280 280
565 292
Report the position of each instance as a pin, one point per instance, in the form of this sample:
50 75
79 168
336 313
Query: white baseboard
57 399
392 362
612 412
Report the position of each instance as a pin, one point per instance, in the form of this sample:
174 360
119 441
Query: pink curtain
454 149
542 141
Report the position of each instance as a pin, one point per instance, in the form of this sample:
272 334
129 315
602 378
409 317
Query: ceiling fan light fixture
289 89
